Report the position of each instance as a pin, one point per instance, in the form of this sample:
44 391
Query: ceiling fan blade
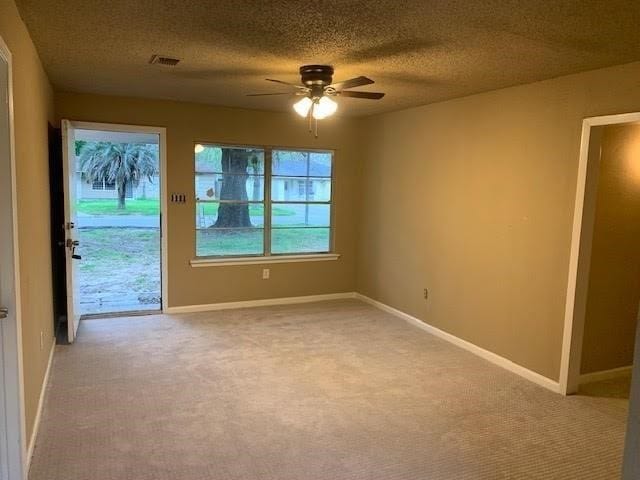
367 95
264 94
352 82
284 83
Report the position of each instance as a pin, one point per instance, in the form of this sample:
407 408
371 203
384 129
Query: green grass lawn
212 242
152 207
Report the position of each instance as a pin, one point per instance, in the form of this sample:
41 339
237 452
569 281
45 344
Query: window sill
225 262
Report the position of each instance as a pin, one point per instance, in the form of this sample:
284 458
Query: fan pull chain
313 122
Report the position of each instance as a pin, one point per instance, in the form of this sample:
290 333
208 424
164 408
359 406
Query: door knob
4 312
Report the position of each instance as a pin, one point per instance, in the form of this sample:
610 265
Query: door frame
580 258
162 139
12 337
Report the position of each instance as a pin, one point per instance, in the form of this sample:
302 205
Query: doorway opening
114 199
603 292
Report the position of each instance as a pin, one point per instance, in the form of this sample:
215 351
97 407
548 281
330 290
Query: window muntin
236 215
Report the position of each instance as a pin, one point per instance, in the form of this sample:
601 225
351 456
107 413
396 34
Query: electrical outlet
41 339
426 293
266 273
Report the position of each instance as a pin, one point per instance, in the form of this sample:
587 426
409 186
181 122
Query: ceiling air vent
160 60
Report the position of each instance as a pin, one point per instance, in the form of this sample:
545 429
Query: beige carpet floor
335 390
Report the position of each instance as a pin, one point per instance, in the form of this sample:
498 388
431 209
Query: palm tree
121 164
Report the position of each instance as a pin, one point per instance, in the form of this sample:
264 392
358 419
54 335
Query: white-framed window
262 201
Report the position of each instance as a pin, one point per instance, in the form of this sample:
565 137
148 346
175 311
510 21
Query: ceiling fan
317 89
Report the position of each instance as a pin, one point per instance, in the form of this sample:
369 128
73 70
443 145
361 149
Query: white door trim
575 301
12 346
164 241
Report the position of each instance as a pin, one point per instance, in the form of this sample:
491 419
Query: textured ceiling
417 51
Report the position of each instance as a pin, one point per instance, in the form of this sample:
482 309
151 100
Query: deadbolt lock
71 245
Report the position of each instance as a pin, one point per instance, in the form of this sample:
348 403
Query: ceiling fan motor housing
316 76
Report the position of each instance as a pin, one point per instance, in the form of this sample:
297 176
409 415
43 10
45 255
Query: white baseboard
259 303
481 352
36 422
606 374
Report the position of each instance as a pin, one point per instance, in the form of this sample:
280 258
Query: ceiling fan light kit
303 106
325 107
317 89
319 108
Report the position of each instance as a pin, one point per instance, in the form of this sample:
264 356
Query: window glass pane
300 240
229 241
300 215
230 215
301 164
295 189
219 186
219 159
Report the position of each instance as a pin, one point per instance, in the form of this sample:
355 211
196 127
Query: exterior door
72 256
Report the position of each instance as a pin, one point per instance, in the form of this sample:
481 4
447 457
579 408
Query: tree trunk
122 193
234 187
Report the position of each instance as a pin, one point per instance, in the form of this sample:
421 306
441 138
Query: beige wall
33 109
614 278
473 198
187 123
